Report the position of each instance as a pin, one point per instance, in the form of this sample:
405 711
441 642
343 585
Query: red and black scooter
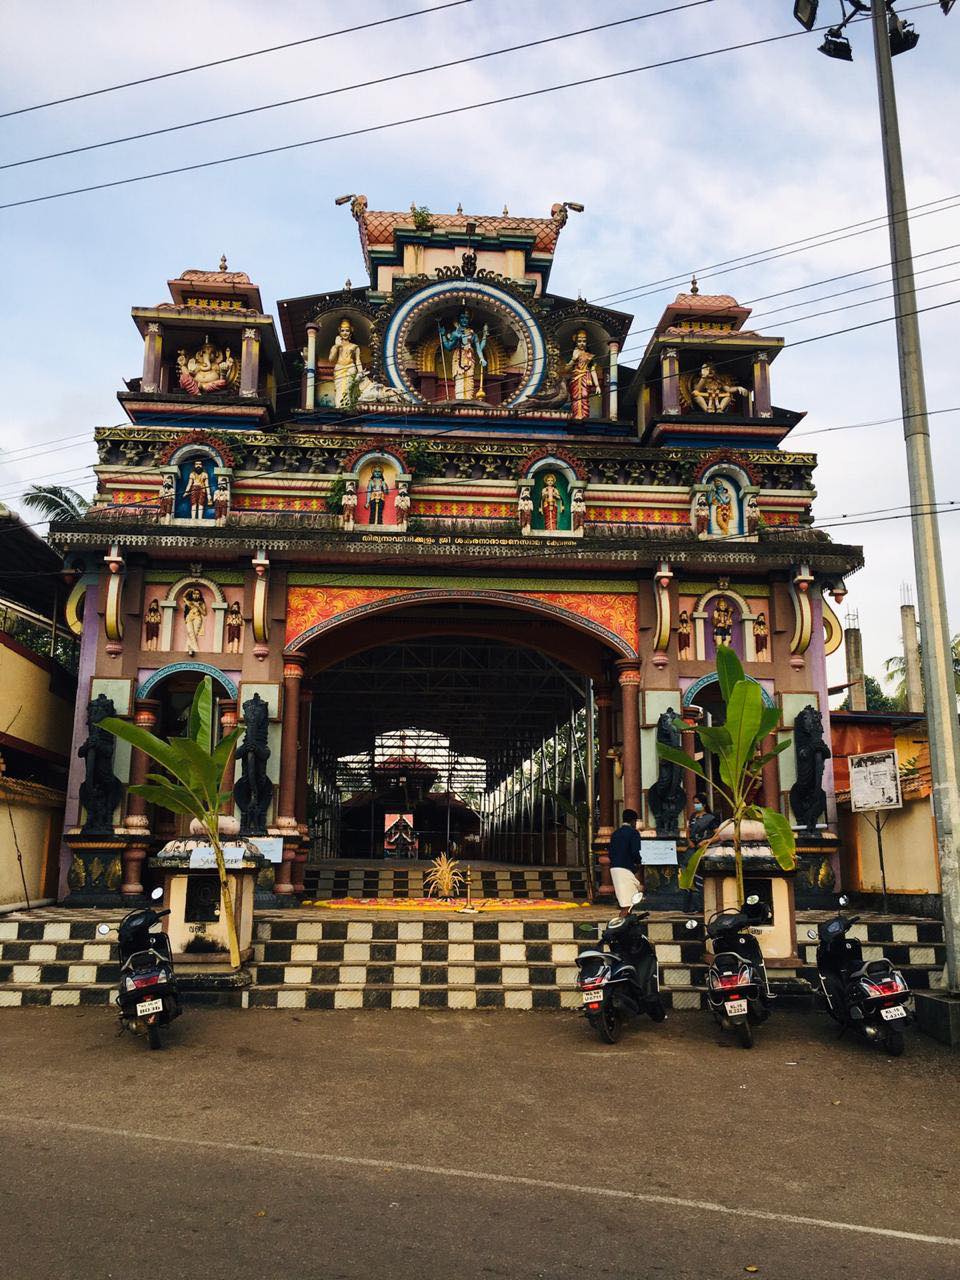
738 991
148 998
871 996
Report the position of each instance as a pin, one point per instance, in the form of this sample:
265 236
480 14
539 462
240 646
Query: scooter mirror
637 898
157 895
753 900
812 935
103 928
843 899
691 924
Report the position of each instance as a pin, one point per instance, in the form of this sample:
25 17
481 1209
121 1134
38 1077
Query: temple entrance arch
520 697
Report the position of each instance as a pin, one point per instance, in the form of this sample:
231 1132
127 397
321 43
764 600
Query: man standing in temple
626 864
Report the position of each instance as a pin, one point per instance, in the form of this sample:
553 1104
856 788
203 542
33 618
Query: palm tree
56 501
896 669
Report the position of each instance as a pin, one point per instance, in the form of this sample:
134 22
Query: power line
238 57
877 422
350 88
444 113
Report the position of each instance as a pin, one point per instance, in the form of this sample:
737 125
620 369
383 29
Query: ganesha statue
208 369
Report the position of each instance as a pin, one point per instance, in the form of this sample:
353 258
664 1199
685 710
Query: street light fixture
805 12
836 45
891 36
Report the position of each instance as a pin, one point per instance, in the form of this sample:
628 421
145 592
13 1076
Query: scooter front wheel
153 1035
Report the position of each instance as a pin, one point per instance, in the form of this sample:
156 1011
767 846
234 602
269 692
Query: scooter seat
872 969
594 955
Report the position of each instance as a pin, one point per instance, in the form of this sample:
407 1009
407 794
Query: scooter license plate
592 997
895 1011
148 1007
734 1008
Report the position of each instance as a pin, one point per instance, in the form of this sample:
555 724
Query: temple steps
340 959
378 879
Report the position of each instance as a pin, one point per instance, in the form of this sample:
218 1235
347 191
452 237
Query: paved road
412 1146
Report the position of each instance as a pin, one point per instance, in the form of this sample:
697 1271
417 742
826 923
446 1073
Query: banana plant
737 745
192 783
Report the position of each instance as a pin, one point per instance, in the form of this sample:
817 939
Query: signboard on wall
875 781
658 853
271 848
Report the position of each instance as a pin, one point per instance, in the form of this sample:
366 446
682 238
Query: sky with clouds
679 167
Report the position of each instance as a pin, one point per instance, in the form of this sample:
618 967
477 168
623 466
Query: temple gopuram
440 505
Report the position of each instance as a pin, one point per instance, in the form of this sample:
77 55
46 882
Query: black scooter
871 996
622 979
738 991
148 998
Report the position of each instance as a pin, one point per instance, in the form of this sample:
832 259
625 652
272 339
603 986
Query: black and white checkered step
288 996
390 880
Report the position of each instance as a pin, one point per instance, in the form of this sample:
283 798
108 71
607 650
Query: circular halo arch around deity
487 304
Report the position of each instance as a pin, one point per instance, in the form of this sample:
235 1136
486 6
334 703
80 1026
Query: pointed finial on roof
348 283
223 262
413 206
506 212
694 287
459 206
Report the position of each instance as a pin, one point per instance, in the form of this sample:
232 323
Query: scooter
622 979
148 998
870 996
738 991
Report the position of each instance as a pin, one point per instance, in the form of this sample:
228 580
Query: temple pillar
286 803
152 351
310 397
250 362
770 777
228 722
303 773
145 713
688 743
670 371
604 706
613 406
762 406
629 675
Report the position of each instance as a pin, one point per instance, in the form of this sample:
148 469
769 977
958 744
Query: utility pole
941 700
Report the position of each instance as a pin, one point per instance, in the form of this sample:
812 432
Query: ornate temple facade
447 468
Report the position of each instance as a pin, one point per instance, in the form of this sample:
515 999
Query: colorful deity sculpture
751 513
578 511
722 619
701 515
683 634
760 634
197 491
402 505
221 500
348 506
233 627
347 365
167 500
208 369
721 504
194 616
152 620
377 490
582 379
552 505
525 508
468 356
712 392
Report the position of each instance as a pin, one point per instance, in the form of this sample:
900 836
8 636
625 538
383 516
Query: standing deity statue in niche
151 625
582 381
468 354
578 511
683 634
197 491
525 508
194 616
712 392
402 505
551 503
701 515
377 490
348 506
347 365
233 627
167 500
101 789
208 369
760 633
751 513
722 619
721 502
221 500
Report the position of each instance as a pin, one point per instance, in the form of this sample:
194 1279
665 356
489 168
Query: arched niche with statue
376 493
190 617
724 504
725 618
550 500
